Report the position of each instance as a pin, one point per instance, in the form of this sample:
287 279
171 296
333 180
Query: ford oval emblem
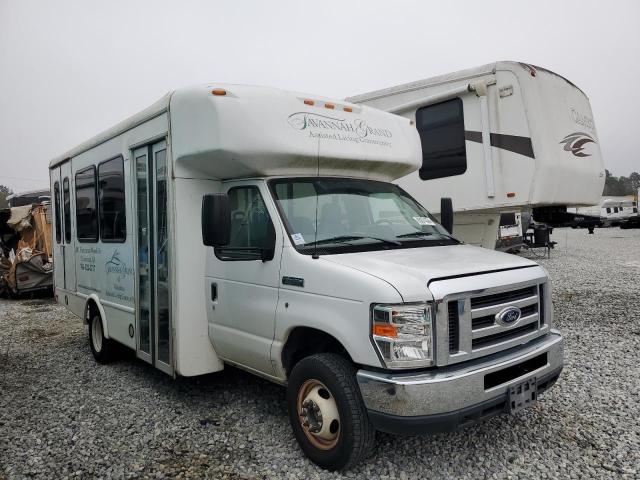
508 316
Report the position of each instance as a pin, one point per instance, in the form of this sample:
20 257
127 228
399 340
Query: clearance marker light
309 102
330 106
511 194
348 109
221 92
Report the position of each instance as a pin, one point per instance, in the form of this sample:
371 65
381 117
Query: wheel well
305 341
90 310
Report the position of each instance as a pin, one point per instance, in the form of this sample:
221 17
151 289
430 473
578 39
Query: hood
410 270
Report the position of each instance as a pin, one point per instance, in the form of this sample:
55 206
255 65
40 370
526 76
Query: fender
103 317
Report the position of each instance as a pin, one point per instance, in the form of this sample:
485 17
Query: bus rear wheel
101 347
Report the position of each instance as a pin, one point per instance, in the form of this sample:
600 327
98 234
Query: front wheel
327 413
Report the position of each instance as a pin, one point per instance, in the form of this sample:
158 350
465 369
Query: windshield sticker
424 221
298 239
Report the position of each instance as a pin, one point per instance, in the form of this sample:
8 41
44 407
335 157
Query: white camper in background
503 137
618 210
249 226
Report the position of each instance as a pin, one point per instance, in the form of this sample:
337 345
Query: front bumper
445 398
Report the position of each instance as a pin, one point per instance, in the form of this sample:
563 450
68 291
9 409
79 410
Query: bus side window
113 225
86 211
441 129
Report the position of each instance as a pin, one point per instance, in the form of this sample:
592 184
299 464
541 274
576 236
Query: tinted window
441 129
113 225
251 227
86 212
67 210
56 208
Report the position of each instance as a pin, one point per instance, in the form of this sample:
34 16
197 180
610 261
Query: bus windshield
340 215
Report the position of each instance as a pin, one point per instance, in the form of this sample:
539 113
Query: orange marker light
348 109
221 92
511 194
330 106
309 102
385 330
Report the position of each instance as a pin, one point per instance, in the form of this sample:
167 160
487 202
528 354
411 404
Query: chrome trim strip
495 308
497 328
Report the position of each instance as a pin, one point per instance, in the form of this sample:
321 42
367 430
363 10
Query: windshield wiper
424 234
414 234
346 238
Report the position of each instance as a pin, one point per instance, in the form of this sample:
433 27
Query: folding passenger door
153 295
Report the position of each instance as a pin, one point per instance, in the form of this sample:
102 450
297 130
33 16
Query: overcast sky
70 69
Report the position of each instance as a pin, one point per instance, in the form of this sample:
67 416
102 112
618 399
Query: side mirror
446 214
216 220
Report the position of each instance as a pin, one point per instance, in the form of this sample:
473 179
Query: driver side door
243 287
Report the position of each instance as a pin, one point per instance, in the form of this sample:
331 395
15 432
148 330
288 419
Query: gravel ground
63 415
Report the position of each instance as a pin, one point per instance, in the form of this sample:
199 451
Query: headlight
403 334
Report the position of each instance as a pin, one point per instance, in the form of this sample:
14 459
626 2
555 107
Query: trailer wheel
327 413
101 347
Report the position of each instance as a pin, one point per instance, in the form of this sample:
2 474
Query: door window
67 210
56 206
252 231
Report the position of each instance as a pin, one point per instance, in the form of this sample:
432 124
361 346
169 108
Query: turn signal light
385 330
219 92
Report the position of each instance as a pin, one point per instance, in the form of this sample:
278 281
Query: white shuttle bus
249 226
505 137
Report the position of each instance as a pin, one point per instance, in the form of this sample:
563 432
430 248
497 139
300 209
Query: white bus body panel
250 132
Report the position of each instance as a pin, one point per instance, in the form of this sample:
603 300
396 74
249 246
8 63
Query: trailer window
86 212
67 210
251 226
113 225
441 129
56 208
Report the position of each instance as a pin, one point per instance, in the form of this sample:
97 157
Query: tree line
618 186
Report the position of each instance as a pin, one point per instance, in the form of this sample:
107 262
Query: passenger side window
67 210
252 232
113 224
56 206
86 212
441 129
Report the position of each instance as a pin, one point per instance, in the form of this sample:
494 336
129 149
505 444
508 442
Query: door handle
214 292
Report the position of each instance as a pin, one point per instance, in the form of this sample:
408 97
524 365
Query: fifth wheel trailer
503 137
249 226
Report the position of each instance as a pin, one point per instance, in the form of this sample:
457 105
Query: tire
354 436
101 347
